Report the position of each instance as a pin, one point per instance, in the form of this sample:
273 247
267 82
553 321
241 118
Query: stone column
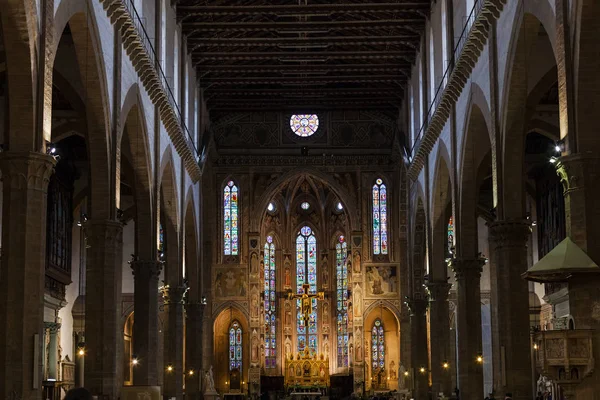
103 310
510 241
439 337
418 325
145 326
173 306
468 326
193 348
52 368
25 190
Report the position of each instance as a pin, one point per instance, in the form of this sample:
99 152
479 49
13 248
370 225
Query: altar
307 372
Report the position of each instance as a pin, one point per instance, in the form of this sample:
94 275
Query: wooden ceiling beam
302 69
337 8
207 55
306 26
410 41
296 81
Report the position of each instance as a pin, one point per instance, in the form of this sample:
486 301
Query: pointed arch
133 143
349 200
169 210
441 210
19 26
95 97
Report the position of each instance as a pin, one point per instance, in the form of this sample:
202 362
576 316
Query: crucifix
306 300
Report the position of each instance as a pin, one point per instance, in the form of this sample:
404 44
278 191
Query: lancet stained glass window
450 235
377 345
304 125
270 306
306 272
161 238
341 252
380 235
235 346
230 219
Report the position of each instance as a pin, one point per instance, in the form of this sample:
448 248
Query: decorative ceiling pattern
316 54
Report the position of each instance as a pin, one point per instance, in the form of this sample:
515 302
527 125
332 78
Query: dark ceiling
303 54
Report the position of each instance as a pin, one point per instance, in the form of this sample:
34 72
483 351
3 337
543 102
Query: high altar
306 370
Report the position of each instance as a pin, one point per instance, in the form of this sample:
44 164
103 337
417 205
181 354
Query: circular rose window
304 125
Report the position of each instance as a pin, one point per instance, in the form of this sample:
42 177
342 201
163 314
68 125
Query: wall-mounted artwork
231 282
381 280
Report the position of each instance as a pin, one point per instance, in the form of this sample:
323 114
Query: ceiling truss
315 54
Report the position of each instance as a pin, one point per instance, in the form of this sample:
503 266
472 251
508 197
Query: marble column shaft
52 350
418 325
173 337
510 241
25 178
193 348
103 309
439 336
468 326
145 326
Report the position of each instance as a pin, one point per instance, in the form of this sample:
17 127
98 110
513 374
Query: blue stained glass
377 345
306 272
341 251
270 303
380 233
235 346
230 219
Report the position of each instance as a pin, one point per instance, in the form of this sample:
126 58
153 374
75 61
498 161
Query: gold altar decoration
306 370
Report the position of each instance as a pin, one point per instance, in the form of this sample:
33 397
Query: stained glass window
377 345
380 235
235 346
341 252
230 219
270 310
161 238
305 205
306 272
304 125
450 235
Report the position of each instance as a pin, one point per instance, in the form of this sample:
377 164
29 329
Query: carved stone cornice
467 268
509 233
26 170
385 160
466 58
174 295
575 169
438 290
146 270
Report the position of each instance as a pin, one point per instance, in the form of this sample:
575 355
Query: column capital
510 232
26 170
146 269
174 294
106 230
438 290
467 268
417 306
574 170
52 327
